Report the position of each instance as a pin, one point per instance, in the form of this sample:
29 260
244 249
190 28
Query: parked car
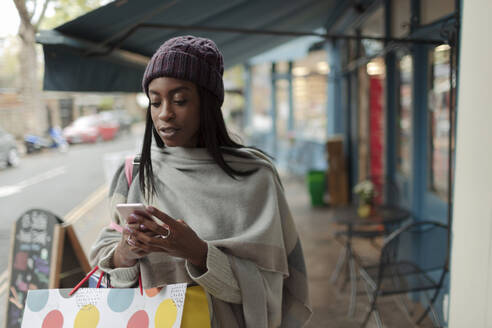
9 154
82 130
89 129
121 116
108 126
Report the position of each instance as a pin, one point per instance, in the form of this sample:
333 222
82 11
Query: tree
34 113
66 10
31 20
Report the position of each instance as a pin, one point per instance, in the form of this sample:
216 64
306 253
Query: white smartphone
126 209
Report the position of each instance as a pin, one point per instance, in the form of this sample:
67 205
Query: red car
108 125
90 129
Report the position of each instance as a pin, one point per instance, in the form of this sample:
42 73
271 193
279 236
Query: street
58 182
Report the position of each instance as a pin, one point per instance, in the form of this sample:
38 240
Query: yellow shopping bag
195 312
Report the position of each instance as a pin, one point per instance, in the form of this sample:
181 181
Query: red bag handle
100 279
129 161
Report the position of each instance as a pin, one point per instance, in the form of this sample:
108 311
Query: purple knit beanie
188 58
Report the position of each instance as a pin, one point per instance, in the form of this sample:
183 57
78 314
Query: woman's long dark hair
212 135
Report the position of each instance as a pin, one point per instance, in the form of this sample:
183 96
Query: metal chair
349 258
389 192
413 259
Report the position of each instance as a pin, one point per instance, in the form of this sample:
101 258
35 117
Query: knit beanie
188 58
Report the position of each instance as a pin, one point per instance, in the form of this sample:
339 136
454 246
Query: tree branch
41 16
33 10
22 10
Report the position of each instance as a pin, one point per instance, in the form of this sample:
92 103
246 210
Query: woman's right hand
128 251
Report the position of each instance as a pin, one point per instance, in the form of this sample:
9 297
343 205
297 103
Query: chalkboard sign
40 258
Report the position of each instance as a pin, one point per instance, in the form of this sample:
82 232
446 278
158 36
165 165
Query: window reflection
261 93
438 105
310 96
405 116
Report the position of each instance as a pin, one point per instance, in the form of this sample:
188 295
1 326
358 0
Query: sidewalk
321 252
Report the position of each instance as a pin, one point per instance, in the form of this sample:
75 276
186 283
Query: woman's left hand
174 237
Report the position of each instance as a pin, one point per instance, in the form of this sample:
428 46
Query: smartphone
126 209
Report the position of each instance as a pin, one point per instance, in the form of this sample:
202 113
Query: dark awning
107 49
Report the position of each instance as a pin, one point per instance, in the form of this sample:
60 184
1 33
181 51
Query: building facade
392 101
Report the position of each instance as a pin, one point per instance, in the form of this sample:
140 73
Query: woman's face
174 107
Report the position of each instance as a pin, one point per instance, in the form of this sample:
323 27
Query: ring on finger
166 235
129 241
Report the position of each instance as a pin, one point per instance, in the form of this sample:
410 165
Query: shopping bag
105 307
195 311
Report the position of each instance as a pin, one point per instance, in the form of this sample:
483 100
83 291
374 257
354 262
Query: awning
107 49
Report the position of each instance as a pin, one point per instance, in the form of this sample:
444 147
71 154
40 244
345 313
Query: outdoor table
385 215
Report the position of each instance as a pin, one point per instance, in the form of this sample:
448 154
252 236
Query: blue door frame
423 203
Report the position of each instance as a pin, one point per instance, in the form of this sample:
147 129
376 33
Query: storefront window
233 106
282 67
371 122
439 120
376 72
405 116
282 86
309 84
261 95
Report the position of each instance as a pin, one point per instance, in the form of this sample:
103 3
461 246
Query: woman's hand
127 252
173 237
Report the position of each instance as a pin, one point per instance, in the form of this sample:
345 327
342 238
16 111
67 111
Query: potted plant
365 193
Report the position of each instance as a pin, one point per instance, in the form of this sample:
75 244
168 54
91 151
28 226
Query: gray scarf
248 219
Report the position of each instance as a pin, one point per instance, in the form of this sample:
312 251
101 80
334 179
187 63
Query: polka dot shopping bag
105 307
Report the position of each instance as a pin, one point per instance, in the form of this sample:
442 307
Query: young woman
216 213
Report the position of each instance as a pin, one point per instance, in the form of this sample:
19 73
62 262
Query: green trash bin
316 186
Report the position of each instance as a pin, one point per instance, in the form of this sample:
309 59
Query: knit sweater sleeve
218 280
102 255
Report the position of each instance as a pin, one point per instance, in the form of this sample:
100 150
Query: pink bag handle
129 169
115 226
129 178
